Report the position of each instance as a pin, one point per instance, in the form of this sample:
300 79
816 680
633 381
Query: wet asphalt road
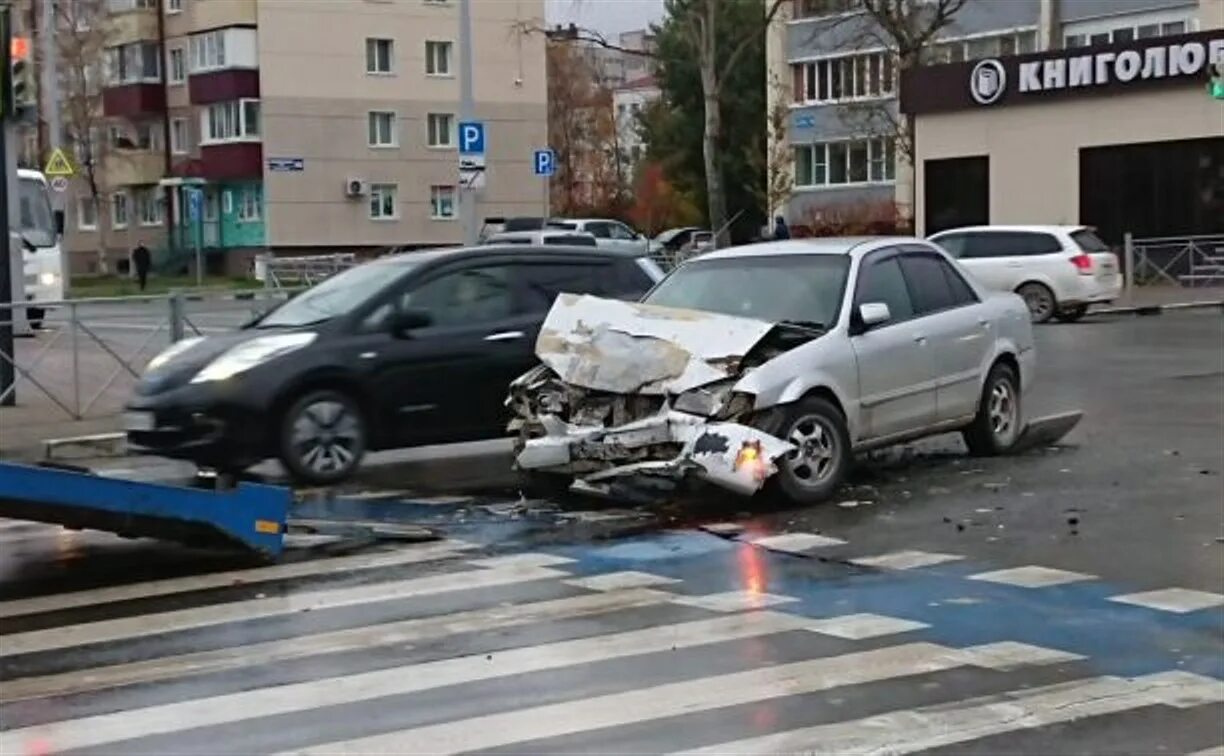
1065 601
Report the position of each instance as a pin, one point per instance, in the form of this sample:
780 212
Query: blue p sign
545 162
195 203
471 138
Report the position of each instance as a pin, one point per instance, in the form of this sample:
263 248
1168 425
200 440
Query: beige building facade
245 126
1124 136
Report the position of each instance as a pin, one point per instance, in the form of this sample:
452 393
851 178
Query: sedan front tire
323 437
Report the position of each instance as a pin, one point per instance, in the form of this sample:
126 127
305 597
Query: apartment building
847 141
304 126
628 101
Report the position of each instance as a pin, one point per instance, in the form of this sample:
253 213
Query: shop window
957 193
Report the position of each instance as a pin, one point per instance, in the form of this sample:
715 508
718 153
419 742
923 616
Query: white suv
1059 270
609 234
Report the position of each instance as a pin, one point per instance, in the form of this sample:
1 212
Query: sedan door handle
920 339
504 336
984 323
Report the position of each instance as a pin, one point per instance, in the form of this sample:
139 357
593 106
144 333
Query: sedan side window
927 283
477 295
599 230
962 292
621 232
884 282
542 282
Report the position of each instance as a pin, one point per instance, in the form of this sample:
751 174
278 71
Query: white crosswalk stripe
595 654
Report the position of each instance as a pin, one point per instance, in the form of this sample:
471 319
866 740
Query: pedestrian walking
142 260
780 229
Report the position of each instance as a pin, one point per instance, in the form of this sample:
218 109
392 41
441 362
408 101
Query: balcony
134 100
224 161
220 86
131 167
135 25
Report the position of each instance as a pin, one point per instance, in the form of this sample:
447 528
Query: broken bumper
733 456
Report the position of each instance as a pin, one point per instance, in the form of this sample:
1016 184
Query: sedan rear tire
998 423
814 470
323 438
1072 314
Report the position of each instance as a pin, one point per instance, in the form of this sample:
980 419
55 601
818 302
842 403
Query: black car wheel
997 425
821 459
323 438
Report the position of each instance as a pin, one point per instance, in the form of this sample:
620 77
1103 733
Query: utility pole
7 313
467 112
49 74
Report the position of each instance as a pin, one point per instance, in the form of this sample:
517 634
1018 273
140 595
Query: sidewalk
1144 297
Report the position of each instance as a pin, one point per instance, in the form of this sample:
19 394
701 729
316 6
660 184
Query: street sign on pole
195 211
58 184
472 172
59 165
471 138
545 162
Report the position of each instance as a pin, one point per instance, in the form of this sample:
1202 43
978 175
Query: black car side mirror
408 320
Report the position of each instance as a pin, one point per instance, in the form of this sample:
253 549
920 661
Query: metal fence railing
88 355
290 272
1178 260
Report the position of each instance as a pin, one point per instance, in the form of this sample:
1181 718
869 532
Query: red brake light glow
1083 263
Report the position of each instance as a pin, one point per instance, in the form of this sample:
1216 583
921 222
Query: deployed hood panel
629 348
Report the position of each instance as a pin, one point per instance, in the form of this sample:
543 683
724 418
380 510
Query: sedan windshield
804 289
338 295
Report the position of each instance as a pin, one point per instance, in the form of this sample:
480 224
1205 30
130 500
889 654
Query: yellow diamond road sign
59 165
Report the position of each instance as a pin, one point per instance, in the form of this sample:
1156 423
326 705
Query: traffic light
22 74
1217 80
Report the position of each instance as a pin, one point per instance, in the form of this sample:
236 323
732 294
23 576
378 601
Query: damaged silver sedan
772 365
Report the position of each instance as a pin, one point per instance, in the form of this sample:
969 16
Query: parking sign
195 204
471 138
545 162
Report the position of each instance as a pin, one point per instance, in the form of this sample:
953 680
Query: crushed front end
633 394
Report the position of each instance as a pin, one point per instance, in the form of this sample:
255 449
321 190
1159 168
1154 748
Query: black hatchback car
410 349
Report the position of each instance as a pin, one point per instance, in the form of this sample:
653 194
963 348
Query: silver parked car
773 364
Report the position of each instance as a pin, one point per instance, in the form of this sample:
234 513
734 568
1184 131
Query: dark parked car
410 349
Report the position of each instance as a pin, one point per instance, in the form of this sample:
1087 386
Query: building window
817 8
441 127
859 161
248 204
119 210
87 214
382 129
853 77
230 121
180 142
134 63
383 201
438 58
149 206
1072 41
1175 27
148 135
227 202
1147 31
208 50
178 65
442 202
122 6
378 55
174 6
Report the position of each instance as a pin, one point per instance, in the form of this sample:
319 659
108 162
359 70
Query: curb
1159 309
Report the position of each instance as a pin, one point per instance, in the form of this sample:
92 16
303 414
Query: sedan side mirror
873 314
408 320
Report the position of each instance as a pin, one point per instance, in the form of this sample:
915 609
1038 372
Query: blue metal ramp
251 516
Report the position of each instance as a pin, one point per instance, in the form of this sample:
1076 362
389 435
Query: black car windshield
339 295
804 289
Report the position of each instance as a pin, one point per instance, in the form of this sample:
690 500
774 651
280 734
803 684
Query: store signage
1186 59
1034 77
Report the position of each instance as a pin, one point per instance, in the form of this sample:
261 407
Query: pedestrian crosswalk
444 648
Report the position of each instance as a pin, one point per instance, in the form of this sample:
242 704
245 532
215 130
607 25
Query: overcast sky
606 16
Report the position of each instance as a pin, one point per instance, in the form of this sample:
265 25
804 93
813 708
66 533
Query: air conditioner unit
355 187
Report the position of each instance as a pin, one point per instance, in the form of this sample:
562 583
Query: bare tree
698 20
907 29
778 169
582 131
82 36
